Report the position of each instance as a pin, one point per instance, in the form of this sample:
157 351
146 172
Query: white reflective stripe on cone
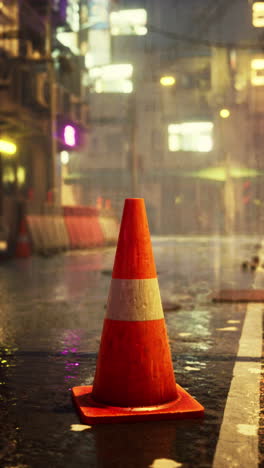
134 300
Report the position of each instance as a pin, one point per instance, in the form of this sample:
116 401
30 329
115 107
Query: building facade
192 147
42 109
135 100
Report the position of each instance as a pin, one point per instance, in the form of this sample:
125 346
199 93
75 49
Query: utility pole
53 114
133 145
3 230
1 187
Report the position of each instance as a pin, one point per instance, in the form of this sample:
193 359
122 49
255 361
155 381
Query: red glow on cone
23 249
134 257
145 376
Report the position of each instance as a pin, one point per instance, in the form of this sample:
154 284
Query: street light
257 14
69 135
167 80
65 157
9 149
224 113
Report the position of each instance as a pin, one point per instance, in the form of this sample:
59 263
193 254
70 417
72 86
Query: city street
160 105
51 317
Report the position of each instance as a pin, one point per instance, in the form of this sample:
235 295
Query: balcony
8 13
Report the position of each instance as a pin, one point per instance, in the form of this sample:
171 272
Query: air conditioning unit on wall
75 108
5 74
85 114
42 90
58 97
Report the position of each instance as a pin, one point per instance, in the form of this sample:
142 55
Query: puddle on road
80 427
188 368
254 370
247 429
165 463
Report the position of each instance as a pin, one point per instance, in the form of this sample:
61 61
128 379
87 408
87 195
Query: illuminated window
167 80
7 147
112 78
70 40
129 22
257 72
20 176
258 14
112 72
8 175
191 136
64 157
72 15
113 86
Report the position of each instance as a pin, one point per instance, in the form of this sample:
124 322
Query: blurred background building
104 99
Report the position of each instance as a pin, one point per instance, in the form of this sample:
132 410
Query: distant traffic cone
23 248
99 203
134 377
108 204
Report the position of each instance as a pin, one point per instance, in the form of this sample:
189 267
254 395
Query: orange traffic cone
23 249
134 377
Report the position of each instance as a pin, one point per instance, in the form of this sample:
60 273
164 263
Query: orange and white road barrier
134 377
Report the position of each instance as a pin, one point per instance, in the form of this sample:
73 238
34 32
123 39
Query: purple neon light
69 135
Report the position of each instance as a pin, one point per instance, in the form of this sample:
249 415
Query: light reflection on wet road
51 315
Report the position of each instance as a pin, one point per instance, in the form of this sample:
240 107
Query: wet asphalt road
51 316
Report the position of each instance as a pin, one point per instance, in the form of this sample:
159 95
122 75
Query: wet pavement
51 316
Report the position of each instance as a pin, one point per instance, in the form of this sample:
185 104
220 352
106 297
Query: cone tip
137 204
134 257
134 201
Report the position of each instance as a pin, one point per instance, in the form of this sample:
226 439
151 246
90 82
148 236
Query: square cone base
92 412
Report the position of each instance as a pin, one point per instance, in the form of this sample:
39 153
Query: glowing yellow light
3 245
127 86
167 80
69 39
258 14
178 200
21 175
7 147
114 71
8 175
98 87
89 60
191 136
224 113
189 127
129 22
204 143
257 72
65 157
174 143
257 64
141 30
220 173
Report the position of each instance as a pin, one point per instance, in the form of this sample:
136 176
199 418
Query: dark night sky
222 20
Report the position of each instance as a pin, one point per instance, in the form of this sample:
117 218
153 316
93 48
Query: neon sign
69 135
